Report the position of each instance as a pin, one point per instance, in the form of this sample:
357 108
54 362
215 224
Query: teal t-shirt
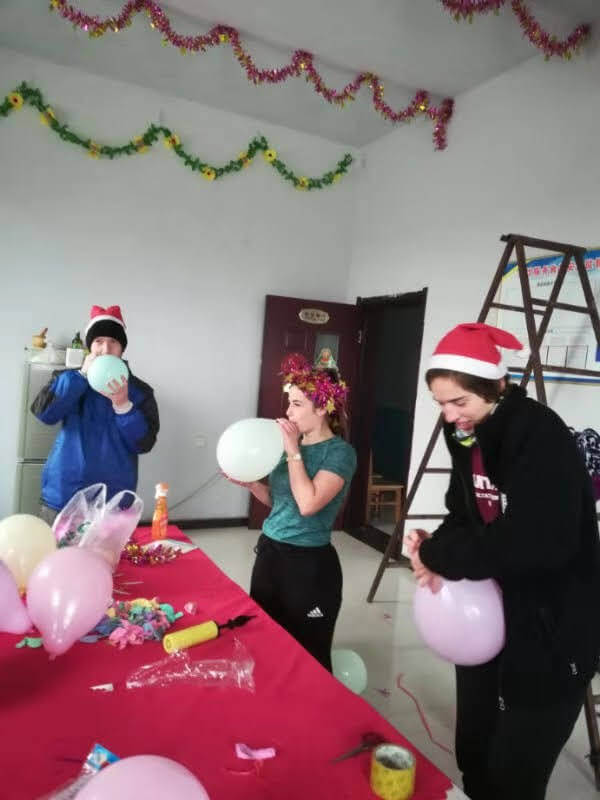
285 523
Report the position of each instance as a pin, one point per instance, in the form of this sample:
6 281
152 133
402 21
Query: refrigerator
34 442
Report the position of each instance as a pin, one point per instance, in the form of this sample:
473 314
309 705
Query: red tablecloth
49 716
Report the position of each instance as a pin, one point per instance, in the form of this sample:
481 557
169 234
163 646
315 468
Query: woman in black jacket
521 511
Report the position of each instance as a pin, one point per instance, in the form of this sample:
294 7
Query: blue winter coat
94 445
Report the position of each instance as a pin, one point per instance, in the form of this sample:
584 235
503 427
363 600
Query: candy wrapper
236 672
97 758
88 520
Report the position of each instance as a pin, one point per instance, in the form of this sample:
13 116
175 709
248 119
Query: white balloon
24 541
250 449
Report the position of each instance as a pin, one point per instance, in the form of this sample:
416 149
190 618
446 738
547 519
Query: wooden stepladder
531 308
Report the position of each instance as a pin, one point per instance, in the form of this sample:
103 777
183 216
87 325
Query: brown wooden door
310 327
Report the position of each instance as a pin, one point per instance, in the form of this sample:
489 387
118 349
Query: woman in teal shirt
297 577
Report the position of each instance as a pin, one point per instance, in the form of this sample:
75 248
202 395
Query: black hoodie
543 549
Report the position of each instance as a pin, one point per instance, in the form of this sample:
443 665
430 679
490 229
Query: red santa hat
472 348
106 322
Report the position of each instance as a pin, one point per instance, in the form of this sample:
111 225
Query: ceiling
410 44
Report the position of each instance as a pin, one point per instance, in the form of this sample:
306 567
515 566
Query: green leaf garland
25 94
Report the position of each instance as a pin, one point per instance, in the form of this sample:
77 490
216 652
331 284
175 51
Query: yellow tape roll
392 772
188 637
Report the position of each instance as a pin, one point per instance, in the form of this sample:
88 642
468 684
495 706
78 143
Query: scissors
369 741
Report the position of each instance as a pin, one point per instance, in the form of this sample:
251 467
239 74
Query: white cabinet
28 487
34 442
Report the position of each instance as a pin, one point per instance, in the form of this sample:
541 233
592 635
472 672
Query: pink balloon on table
67 595
148 777
13 614
463 622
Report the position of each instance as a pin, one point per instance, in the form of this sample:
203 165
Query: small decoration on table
30 641
254 753
134 622
150 556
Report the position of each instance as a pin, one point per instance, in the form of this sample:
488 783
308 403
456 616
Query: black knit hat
106 322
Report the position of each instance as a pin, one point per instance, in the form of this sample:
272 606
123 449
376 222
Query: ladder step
438 470
561 370
561 306
542 244
538 302
506 307
425 516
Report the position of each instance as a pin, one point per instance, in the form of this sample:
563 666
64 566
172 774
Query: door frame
354 518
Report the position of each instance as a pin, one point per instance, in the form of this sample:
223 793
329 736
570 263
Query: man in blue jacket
101 434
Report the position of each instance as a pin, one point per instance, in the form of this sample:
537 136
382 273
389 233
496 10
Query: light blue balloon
349 669
250 449
105 369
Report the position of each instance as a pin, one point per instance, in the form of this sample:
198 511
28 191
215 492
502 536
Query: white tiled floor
384 634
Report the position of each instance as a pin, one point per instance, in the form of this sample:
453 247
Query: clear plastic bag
82 509
236 672
104 527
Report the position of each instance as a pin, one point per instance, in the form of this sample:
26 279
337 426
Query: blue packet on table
98 758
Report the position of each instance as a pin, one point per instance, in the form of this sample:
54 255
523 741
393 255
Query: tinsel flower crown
316 384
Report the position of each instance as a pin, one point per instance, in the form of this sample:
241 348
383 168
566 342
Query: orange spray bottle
160 518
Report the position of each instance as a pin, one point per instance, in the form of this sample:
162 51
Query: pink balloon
13 614
67 595
463 622
150 777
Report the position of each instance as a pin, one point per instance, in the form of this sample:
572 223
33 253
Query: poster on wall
569 340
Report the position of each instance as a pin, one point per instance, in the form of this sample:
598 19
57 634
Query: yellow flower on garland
302 183
54 4
16 100
223 37
337 177
172 141
208 173
243 157
93 150
140 144
330 407
47 116
270 155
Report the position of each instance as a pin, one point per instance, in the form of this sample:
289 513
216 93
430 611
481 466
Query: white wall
522 157
188 261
